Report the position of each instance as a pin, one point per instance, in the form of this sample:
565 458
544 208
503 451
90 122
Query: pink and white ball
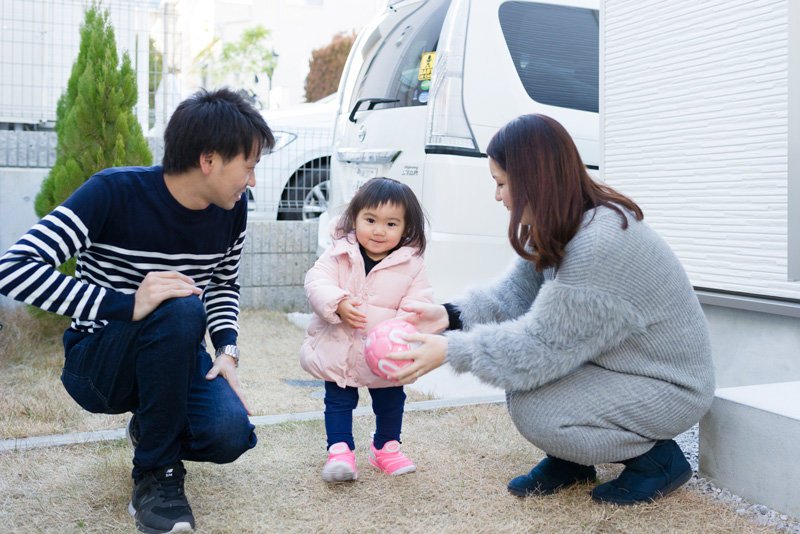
384 338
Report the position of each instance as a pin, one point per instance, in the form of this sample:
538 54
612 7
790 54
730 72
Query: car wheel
306 195
316 201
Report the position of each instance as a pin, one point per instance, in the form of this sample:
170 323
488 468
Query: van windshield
555 51
398 69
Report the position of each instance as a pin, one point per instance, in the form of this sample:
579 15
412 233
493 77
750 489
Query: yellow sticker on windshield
426 65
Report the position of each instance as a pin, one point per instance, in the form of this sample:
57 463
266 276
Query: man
158 253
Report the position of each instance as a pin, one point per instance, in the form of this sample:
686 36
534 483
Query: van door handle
372 103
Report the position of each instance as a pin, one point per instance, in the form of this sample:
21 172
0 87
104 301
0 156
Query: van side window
555 50
394 70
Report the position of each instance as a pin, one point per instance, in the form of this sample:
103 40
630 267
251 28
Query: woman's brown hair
546 173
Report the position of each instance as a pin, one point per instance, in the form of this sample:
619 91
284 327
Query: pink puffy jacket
334 351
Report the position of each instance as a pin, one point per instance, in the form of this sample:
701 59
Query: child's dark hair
377 192
213 121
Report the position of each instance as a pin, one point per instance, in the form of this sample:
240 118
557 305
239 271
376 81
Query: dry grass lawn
464 456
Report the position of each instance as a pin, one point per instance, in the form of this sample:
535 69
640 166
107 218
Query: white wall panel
694 117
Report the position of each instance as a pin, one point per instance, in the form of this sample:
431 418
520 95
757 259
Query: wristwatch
229 350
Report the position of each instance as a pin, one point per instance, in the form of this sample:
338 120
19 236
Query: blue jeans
156 369
387 403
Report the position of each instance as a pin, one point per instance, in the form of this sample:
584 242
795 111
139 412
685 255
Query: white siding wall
694 112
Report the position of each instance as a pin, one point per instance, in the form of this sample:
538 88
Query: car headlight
281 139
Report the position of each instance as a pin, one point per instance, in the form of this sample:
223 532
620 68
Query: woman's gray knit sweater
608 352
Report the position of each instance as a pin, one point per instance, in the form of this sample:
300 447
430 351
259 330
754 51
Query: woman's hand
347 310
429 352
428 318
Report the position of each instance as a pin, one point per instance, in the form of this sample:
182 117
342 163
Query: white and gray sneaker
159 503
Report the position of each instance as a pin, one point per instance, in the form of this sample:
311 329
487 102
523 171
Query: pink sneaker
390 460
341 464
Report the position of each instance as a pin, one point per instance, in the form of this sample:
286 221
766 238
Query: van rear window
555 51
397 70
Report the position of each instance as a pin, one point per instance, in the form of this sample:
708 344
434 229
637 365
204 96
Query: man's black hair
219 121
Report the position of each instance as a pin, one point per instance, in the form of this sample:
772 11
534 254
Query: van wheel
306 195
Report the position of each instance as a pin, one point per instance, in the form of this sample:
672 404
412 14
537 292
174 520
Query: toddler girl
373 268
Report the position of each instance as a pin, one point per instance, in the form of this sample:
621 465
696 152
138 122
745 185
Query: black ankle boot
551 475
645 478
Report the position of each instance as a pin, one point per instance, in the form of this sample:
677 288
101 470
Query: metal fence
39 42
292 180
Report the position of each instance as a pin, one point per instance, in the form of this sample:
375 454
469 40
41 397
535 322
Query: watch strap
229 350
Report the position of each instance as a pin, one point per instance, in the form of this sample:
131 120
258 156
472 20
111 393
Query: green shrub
95 123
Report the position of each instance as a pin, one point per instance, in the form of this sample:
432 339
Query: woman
595 333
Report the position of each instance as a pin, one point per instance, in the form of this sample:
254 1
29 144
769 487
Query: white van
428 83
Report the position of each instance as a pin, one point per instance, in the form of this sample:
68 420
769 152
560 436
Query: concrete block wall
750 441
276 256
18 190
38 149
27 149
751 347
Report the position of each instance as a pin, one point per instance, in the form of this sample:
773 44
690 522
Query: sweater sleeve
508 298
566 327
221 296
28 270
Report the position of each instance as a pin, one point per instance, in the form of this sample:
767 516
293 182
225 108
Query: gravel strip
757 513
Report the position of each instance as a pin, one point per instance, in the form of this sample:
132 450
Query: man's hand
159 286
350 315
226 366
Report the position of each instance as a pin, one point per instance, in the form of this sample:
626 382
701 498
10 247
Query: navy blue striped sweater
123 223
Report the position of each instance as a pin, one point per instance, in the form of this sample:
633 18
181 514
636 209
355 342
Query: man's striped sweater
123 223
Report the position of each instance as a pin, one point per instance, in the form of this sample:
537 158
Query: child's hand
349 313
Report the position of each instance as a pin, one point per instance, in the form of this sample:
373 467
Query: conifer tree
95 124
